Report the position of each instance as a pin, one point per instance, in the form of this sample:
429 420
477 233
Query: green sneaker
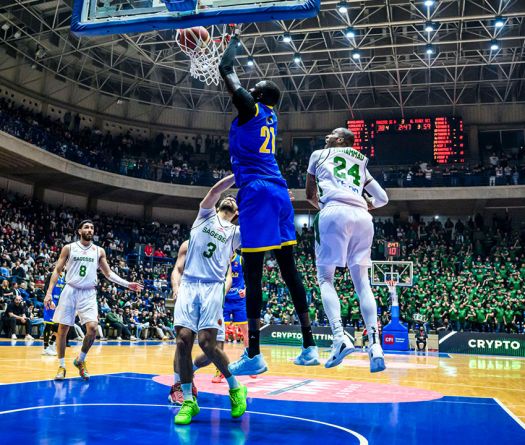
238 400
188 410
82 369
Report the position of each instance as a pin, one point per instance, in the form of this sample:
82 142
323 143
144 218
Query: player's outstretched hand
48 302
135 287
242 293
291 195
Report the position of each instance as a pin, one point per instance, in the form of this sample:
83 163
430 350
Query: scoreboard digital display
402 141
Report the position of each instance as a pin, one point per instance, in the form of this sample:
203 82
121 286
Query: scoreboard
405 141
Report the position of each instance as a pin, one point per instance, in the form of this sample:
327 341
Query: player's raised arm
59 267
378 198
178 270
226 65
213 195
113 277
241 98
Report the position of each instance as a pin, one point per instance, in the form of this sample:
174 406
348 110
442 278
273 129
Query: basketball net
206 56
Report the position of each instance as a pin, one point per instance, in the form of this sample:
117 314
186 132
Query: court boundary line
362 440
510 413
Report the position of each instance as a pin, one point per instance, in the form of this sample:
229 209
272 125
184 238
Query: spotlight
349 32
5 26
297 58
499 22
18 34
342 7
250 61
494 45
429 49
429 26
40 53
429 3
287 37
356 55
119 101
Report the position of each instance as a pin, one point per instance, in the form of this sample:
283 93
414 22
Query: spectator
18 315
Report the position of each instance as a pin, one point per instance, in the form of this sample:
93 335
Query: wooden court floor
457 375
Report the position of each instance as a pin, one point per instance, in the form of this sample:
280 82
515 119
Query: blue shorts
235 311
48 315
266 216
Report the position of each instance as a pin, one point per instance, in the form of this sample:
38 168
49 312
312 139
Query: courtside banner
276 334
482 343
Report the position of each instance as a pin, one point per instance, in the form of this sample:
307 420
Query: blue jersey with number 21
252 148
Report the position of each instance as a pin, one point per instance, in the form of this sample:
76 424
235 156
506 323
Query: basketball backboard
385 273
98 17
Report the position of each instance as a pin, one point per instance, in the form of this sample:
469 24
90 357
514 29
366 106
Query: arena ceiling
466 59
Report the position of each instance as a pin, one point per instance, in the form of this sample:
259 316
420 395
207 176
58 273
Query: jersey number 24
341 172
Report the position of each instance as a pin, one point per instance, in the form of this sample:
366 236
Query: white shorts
199 306
75 301
343 236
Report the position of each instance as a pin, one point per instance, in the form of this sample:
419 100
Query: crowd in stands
468 275
202 160
31 237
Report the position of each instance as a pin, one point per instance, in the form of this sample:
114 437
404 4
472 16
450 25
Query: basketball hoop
205 55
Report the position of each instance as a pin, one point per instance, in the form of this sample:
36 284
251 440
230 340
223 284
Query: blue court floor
130 408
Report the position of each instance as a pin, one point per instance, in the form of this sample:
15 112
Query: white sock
332 307
176 378
232 382
186 391
62 362
367 301
195 367
82 356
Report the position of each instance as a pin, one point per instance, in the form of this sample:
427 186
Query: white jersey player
337 176
200 297
81 259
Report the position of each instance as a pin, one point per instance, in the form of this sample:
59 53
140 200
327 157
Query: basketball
191 38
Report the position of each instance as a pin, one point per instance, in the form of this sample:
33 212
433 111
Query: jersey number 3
211 249
340 167
268 133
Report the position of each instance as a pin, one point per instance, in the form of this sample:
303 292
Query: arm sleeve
245 104
378 194
312 164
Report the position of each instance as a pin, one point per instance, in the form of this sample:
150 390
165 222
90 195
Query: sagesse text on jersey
84 258
214 234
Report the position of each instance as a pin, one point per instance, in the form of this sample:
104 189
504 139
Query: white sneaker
14 337
119 338
52 348
340 349
28 337
133 338
377 358
49 351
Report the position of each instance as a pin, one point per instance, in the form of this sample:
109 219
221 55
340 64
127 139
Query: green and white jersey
341 176
82 265
211 246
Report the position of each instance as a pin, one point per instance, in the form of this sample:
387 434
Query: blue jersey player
235 301
266 215
50 327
